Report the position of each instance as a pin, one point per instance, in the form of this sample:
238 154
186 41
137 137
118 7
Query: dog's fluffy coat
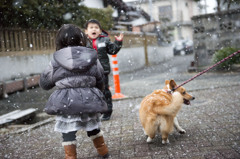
159 109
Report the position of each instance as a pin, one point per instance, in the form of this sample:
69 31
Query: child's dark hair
70 35
94 21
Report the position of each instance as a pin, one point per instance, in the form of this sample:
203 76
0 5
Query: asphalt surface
211 121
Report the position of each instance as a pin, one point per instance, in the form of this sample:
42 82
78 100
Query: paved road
211 122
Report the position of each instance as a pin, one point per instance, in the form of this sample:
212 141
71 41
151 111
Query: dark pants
71 136
108 95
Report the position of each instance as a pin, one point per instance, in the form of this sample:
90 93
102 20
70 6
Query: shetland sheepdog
159 109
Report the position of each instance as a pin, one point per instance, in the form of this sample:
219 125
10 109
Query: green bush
221 54
50 14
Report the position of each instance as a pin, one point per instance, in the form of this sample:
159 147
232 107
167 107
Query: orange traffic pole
116 79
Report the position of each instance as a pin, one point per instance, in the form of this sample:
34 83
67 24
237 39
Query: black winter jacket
104 46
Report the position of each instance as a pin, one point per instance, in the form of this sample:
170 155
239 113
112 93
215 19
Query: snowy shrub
221 54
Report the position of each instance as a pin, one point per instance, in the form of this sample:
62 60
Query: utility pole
205 7
150 8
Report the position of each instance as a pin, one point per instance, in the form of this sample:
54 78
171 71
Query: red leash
204 71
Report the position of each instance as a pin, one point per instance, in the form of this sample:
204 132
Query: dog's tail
166 110
167 107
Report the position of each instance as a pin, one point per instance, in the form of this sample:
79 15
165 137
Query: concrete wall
13 67
129 59
22 72
16 64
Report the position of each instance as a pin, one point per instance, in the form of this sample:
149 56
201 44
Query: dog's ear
167 82
172 84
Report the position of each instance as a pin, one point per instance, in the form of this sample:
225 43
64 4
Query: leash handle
204 71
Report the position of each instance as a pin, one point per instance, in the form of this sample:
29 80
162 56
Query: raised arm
114 47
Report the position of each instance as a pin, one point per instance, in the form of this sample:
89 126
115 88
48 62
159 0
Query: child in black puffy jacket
101 42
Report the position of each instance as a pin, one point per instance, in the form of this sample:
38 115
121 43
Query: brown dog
159 109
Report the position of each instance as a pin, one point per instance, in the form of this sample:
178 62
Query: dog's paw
149 140
165 142
182 131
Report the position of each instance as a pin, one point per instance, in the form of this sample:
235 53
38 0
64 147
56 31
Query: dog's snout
193 98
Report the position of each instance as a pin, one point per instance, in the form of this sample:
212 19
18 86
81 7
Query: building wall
181 14
183 10
136 29
154 9
187 32
213 32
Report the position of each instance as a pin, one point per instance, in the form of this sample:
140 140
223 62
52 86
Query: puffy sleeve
113 47
46 78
